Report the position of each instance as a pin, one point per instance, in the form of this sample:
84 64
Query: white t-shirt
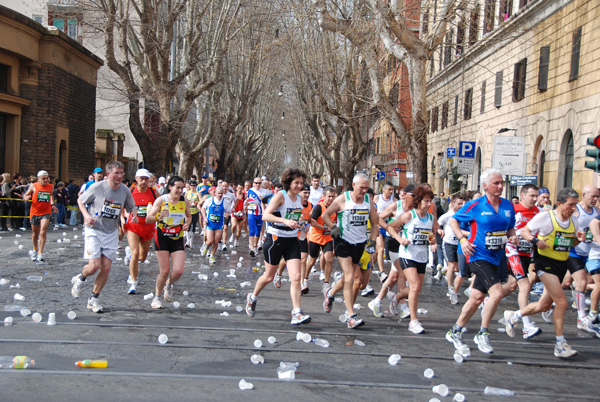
541 224
444 222
315 195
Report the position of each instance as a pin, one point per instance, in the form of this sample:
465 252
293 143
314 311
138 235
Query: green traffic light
593 153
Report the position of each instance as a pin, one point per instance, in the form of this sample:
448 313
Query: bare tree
166 54
371 24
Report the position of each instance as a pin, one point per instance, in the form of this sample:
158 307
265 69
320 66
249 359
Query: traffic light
593 153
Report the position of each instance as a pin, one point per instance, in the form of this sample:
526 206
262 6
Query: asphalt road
207 353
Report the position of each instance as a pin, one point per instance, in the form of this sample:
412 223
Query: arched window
565 166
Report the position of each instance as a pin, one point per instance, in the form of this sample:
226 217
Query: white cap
142 173
162 180
264 178
42 173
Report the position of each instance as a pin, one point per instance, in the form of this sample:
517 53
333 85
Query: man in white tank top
354 209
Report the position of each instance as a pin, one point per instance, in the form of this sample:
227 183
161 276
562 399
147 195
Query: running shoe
203 250
322 276
77 285
212 260
593 317
393 303
563 350
299 318
277 280
304 286
367 291
129 280
354 322
168 292
383 276
547 316
235 243
94 305
438 276
156 303
453 298
328 302
375 307
404 313
252 253
133 288
510 325
224 247
455 338
250 305
585 324
230 239
259 245
482 339
40 259
415 327
530 331
33 255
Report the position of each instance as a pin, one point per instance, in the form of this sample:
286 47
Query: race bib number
238 214
358 217
214 218
110 210
589 236
495 240
142 211
171 231
293 214
563 241
421 237
252 207
43 196
524 246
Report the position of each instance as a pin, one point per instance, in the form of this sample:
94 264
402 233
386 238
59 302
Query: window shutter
544 66
498 92
575 54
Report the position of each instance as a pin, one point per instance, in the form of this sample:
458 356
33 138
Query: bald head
589 196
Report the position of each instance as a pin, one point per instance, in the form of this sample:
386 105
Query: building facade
47 100
517 68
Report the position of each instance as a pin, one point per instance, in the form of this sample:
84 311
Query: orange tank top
320 236
40 199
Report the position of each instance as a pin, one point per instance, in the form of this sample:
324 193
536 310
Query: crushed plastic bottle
321 342
303 336
203 277
498 392
287 370
244 386
89 363
422 311
34 278
359 342
16 362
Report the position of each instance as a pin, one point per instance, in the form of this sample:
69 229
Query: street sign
509 155
522 180
466 166
450 154
398 170
393 173
466 149
380 175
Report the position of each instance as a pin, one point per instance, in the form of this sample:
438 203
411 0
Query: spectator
5 193
26 222
61 198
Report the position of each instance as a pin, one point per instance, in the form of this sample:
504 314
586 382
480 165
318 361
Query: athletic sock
580 302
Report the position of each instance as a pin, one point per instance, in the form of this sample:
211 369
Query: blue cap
98 170
544 190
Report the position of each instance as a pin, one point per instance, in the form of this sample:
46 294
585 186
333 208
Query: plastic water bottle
16 362
34 278
498 392
303 231
89 363
321 342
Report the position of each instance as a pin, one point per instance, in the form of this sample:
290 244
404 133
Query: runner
585 213
283 213
230 201
381 203
97 177
492 221
140 234
105 201
555 233
417 234
253 206
171 213
238 213
307 208
214 211
450 243
319 237
193 197
593 267
543 201
354 209
316 192
42 205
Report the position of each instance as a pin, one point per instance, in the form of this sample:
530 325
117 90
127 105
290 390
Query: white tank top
584 220
417 231
288 210
352 220
382 203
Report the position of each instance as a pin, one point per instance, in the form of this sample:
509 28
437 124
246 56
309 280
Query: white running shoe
483 342
168 293
563 350
156 303
212 260
585 324
299 318
415 327
203 250
133 288
77 285
547 316
367 291
33 255
453 298
94 305
393 303
322 276
277 280
404 313
230 239
375 307
530 331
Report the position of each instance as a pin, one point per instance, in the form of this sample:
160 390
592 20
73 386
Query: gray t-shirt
105 204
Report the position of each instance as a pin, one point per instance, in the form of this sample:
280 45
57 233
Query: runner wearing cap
140 234
98 175
42 205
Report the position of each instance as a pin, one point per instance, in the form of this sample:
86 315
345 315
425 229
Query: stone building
523 68
47 100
